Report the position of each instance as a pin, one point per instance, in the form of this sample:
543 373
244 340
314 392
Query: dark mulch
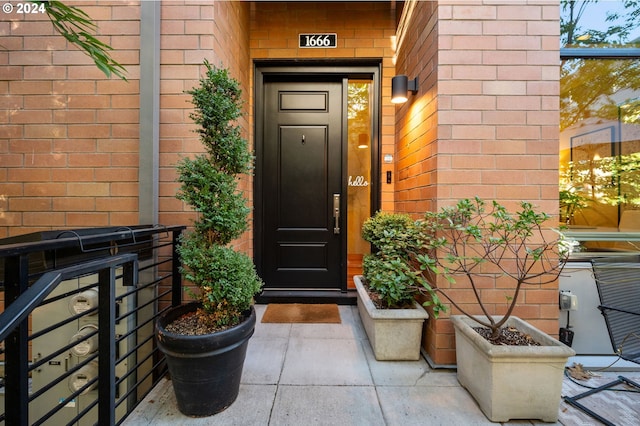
193 324
509 336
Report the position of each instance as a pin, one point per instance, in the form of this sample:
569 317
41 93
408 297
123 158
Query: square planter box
394 334
511 382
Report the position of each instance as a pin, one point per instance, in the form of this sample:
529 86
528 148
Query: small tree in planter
205 342
476 242
470 241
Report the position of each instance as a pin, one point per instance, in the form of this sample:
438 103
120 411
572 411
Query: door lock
336 213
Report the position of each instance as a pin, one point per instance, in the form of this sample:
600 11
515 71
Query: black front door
301 185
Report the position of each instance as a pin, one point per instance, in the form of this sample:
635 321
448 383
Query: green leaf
75 26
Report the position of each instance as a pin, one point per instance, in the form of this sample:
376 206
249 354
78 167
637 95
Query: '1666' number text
318 40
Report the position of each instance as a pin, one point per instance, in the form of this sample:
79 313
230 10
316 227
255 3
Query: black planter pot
205 370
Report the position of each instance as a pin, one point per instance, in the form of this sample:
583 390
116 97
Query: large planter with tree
392 318
513 370
511 381
205 341
205 369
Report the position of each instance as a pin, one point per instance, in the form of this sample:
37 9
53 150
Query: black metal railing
77 328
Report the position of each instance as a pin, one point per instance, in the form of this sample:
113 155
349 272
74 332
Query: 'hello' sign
358 181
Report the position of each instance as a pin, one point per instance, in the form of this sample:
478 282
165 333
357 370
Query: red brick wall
416 122
68 148
191 32
484 123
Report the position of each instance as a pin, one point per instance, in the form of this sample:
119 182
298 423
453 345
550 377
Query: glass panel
600 145
359 116
594 23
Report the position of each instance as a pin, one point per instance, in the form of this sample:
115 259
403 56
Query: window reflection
359 116
599 141
599 117
594 23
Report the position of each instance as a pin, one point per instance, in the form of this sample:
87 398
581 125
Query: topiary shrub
225 280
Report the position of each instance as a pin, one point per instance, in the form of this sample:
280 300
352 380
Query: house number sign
318 40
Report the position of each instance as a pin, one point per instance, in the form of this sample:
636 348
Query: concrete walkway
326 374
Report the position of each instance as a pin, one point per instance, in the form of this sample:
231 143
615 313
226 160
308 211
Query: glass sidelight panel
359 142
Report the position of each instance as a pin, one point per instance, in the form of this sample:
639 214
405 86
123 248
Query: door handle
336 213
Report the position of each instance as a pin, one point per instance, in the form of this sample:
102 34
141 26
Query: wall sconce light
400 86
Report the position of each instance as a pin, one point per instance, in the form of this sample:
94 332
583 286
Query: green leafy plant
387 270
226 280
77 27
476 241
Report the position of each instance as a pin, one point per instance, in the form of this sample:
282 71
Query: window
600 115
359 149
599 140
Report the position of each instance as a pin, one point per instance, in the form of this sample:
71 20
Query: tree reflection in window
599 98
593 23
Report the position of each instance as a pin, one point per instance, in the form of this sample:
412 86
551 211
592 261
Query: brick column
485 123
